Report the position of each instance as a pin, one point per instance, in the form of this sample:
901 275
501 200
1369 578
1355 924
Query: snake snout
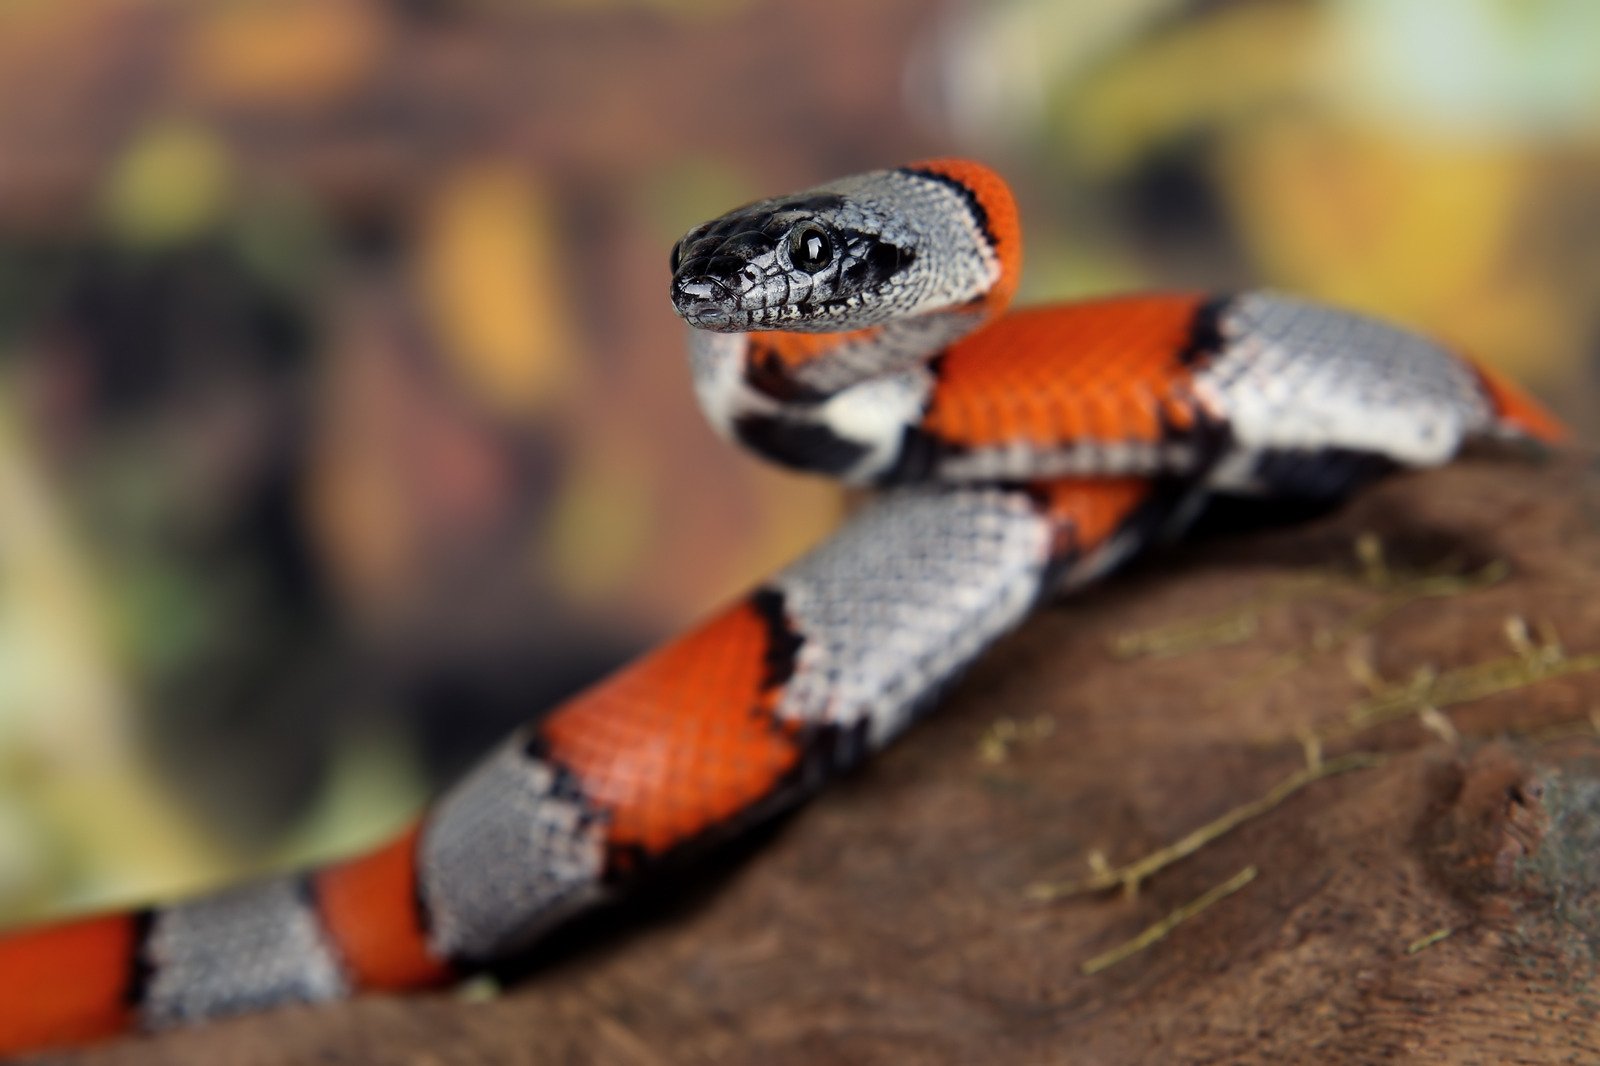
701 300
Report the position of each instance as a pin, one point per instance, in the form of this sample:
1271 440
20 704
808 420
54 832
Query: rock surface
1437 901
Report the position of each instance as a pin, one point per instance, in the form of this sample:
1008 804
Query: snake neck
832 404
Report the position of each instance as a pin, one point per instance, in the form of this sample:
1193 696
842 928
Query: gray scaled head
816 261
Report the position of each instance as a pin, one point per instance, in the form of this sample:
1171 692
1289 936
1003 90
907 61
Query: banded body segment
281 940
1087 514
514 846
855 435
773 359
1299 383
804 369
1102 387
684 738
748 712
898 601
989 209
1266 392
81 980
922 581
244 949
374 914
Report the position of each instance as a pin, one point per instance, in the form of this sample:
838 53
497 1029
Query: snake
860 330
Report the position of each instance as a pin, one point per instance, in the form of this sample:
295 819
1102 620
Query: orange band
668 769
67 983
370 908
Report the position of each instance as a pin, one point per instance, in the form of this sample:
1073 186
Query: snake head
817 260
854 253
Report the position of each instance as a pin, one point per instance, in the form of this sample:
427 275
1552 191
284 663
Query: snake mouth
702 301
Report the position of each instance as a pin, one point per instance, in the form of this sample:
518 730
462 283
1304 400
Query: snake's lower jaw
714 319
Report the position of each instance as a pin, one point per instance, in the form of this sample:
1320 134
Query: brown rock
1434 903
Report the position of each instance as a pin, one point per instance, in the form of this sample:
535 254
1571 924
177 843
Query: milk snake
857 330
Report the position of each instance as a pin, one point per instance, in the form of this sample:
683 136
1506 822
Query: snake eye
810 247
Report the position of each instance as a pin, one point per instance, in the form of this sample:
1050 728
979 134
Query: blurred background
344 421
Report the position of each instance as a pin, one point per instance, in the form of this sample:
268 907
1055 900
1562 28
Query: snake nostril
701 289
701 299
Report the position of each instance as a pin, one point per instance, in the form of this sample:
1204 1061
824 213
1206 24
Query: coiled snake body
857 330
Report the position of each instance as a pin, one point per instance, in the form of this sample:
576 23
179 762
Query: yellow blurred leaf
83 819
601 528
282 53
1209 71
491 275
171 183
1361 217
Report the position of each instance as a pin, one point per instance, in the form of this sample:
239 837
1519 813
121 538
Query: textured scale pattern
238 950
543 837
1099 389
665 775
902 597
1294 375
857 330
